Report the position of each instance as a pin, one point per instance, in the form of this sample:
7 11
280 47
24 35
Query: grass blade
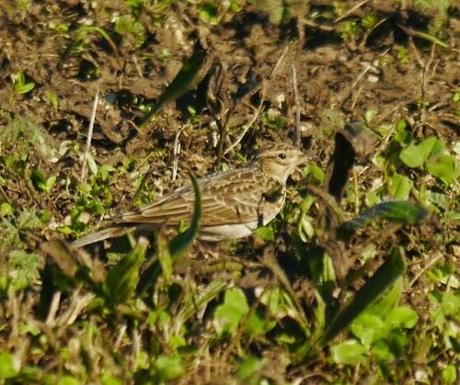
188 76
368 294
184 240
396 211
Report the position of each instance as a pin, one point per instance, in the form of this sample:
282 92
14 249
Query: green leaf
209 13
23 267
402 317
52 99
198 303
399 186
349 352
258 324
29 220
69 380
5 209
108 379
42 183
368 328
315 171
122 278
24 88
189 75
181 243
416 155
227 316
396 211
265 233
20 84
368 294
449 374
382 351
8 366
164 257
128 25
445 168
388 302
451 303
248 367
168 368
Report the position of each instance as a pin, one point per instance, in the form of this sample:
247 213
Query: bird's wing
231 198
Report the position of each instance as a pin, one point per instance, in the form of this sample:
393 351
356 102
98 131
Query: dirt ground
307 78
336 81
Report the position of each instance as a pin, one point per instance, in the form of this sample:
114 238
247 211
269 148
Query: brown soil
390 71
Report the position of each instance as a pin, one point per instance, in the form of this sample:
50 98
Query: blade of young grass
189 75
180 244
167 254
393 268
123 278
396 211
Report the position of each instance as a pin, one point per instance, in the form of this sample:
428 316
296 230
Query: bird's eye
282 155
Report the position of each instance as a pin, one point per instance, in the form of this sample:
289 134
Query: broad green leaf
368 328
382 351
445 168
449 374
398 341
388 302
368 294
181 243
396 211
259 323
399 186
24 88
20 84
401 317
403 134
8 367
415 155
227 316
189 75
451 303
349 352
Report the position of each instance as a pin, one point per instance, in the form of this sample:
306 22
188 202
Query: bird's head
280 160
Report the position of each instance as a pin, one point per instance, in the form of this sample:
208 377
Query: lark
234 203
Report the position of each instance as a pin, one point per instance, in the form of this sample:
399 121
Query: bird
234 203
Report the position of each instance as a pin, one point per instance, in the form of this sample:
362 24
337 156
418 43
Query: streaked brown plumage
233 203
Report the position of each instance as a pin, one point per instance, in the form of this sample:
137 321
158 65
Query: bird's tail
101 235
